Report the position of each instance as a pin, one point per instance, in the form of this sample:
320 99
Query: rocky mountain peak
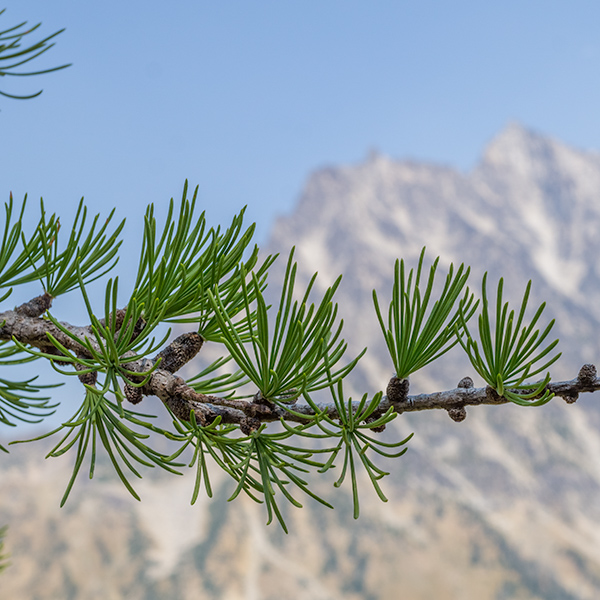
516 148
518 154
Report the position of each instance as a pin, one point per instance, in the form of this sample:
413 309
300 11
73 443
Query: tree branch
454 401
26 325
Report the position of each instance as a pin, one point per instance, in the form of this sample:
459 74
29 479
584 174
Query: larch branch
26 324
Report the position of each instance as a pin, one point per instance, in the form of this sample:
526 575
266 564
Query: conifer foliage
14 54
272 408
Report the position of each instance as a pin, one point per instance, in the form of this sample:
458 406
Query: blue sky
245 99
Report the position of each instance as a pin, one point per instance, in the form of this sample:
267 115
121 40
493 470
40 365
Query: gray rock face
503 505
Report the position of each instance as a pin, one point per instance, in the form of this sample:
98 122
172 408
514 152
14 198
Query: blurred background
264 104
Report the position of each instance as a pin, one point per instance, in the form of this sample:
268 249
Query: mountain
501 506
529 210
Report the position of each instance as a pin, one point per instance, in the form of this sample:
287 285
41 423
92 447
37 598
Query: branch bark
26 325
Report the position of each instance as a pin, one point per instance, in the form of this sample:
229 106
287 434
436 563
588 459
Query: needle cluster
259 421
